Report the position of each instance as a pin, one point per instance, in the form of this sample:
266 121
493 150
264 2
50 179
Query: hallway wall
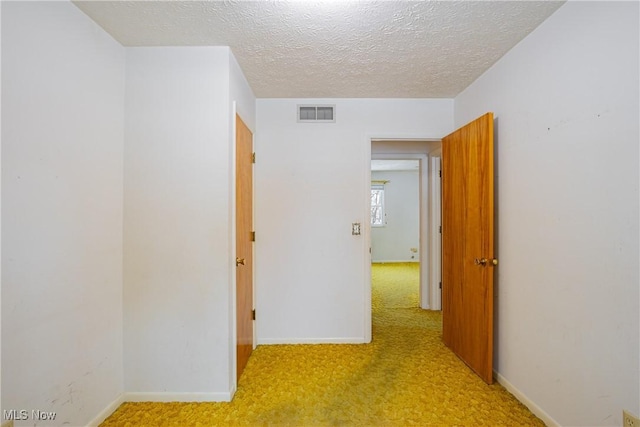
566 107
312 183
62 150
178 223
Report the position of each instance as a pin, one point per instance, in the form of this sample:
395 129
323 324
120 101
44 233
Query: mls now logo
23 414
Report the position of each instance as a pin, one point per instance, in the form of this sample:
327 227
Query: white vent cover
316 113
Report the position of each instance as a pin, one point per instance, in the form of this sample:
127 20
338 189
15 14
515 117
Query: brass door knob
239 261
484 262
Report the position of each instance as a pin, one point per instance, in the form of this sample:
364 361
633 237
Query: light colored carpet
406 376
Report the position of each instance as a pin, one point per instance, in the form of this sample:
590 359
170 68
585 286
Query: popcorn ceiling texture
334 49
406 376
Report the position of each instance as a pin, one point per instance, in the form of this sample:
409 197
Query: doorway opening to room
465 197
395 211
403 234
395 231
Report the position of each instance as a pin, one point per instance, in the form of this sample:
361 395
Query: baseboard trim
106 412
177 397
275 341
157 397
533 407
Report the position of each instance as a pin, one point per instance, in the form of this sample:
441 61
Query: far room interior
395 210
395 214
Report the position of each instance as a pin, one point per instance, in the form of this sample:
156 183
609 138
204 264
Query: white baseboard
177 397
157 397
104 414
533 407
342 340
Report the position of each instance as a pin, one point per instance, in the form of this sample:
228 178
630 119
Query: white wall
242 98
312 182
177 235
566 106
62 145
402 214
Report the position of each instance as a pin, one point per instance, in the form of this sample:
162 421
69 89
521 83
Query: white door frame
399 148
435 236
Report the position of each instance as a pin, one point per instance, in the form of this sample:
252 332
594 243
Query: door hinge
253 314
253 157
440 173
440 285
253 236
440 229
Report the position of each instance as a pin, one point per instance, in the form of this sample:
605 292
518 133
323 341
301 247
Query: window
377 205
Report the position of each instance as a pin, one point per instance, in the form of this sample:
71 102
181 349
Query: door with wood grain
244 245
467 244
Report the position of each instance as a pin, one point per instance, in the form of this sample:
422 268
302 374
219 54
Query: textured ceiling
336 49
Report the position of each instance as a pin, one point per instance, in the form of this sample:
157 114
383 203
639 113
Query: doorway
426 153
395 215
466 205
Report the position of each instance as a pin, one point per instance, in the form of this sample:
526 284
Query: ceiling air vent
316 113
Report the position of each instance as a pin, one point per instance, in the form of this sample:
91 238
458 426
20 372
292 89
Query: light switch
355 228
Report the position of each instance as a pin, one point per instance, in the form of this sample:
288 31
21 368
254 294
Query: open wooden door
467 244
244 248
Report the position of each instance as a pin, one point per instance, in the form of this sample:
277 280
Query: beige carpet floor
406 376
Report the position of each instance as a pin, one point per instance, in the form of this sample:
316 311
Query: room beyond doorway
395 227
425 153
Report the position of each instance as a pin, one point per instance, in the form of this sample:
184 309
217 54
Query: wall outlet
628 420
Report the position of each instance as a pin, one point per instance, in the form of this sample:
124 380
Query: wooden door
244 249
467 244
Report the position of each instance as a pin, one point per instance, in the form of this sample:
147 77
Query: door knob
239 261
481 261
